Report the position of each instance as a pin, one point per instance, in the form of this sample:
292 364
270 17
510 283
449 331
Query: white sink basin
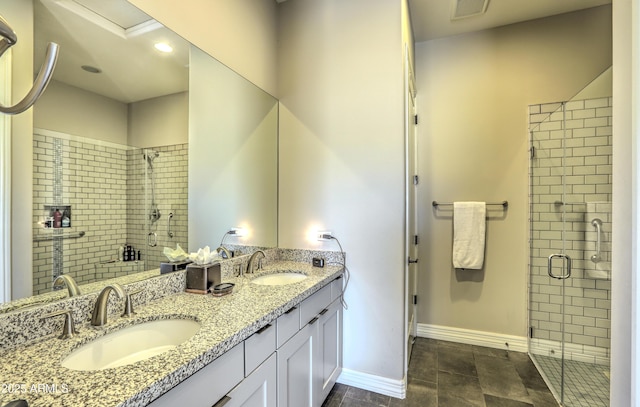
131 344
279 278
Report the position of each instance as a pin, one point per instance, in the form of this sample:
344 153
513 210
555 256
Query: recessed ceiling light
91 69
163 47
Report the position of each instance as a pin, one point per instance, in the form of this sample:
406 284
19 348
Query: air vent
468 8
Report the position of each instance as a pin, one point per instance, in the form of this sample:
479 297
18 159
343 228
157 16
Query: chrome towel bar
51 237
436 204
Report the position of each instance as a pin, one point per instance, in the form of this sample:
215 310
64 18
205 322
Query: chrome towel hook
9 38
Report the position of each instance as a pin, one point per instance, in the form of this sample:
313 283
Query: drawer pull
291 310
313 320
264 328
222 401
338 278
324 311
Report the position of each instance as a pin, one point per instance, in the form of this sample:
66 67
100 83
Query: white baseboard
398 388
377 384
470 337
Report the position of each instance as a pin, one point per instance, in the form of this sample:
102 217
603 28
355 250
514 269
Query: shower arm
45 74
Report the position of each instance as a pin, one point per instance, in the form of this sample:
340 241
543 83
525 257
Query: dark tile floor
447 374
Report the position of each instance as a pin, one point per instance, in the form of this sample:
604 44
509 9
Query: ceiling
116 38
431 18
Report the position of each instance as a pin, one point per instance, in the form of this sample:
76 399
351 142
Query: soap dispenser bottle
57 218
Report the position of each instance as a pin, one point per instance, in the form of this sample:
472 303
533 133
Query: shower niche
56 216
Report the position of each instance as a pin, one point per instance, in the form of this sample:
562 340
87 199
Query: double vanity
276 340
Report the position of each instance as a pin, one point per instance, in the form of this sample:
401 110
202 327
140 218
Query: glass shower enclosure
570 244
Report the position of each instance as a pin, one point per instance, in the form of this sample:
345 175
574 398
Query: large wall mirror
142 141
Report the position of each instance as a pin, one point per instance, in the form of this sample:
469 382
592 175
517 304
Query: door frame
411 218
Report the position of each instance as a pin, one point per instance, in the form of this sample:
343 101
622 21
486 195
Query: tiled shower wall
570 178
96 179
92 179
170 170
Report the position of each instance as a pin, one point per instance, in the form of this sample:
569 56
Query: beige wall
20 15
67 109
600 87
232 153
342 160
147 123
240 34
473 93
159 121
341 139
625 355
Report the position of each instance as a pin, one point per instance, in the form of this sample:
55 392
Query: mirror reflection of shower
152 206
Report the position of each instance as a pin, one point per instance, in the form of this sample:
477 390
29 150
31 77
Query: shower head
150 155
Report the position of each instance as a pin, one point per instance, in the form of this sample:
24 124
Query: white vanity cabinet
245 376
257 390
208 385
293 362
310 362
296 369
330 349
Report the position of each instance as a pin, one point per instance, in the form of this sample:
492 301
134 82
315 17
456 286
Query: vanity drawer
209 384
312 306
288 324
337 287
258 347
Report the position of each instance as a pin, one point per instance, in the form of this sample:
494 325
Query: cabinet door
329 350
258 389
296 365
258 347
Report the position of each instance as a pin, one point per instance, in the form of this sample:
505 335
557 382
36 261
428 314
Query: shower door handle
152 239
550 266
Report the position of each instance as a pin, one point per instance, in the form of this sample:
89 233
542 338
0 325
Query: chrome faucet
66 279
252 260
99 316
224 252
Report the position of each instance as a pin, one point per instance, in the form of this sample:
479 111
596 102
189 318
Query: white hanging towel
469 223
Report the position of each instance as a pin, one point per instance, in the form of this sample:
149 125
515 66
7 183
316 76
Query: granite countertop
34 373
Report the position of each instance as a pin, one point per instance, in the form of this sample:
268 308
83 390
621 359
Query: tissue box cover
201 277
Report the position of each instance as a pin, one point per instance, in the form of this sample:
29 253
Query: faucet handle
128 304
68 329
